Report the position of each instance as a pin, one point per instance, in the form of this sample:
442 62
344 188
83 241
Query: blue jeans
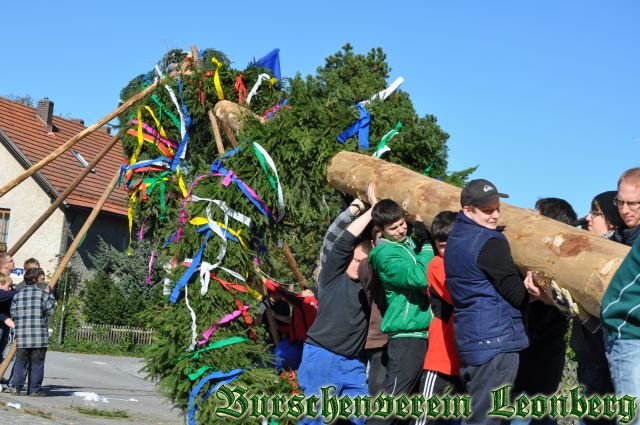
320 368
623 355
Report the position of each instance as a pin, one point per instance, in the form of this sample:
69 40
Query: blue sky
544 96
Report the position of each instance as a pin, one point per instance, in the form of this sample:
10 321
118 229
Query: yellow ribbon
132 202
255 294
216 79
183 187
158 125
201 221
153 141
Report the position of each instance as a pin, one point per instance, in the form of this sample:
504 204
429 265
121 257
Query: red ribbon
241 89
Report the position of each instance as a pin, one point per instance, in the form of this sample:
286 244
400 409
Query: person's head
557 209
480 201
441 227
5 282
31 263
360 252
34 276
388 216
604 216
6 263
628 197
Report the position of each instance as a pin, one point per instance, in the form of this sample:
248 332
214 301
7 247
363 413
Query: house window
5 213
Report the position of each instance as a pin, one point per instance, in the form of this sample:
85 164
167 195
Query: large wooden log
577 260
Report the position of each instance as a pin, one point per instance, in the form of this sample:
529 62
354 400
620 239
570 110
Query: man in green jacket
401 265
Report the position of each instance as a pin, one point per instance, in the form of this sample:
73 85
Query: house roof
30 135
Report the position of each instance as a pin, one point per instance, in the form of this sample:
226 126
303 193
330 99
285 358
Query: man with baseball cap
489 298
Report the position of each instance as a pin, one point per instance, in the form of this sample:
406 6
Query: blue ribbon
217 168
190 271
361 127
225 378
187 123
270 61
150 162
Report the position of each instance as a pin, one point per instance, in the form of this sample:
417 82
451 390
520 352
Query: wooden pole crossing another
75 139
60 199
83 231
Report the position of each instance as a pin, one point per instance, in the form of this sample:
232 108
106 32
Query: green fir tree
301 138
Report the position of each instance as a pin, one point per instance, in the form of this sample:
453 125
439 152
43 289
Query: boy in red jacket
441 363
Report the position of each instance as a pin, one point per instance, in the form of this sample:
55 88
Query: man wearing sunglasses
620 312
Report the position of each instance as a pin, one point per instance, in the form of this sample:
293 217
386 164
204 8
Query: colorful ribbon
269 113
361 126
254 89
216 78
229 177
382 146
224 378
241 89
226 319
269 168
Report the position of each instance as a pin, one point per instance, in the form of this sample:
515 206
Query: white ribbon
194 326
254 89
382 95
205 267
183 125
272 165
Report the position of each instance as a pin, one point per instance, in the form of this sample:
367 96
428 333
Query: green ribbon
273 180
214 345
382 146
198 373
427 170
151 183
161 107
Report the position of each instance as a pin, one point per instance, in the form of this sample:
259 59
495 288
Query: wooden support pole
75 139
293 265
83 231
216 132
60 199
579 261
7 360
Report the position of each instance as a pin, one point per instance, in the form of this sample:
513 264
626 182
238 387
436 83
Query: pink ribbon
226 319
151 261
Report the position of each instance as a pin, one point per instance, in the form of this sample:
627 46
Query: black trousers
404 368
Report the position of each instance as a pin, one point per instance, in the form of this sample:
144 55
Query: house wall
114 229
27 202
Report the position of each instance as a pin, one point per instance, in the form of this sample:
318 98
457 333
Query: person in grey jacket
29 310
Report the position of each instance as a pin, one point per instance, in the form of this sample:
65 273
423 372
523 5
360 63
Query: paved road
105 383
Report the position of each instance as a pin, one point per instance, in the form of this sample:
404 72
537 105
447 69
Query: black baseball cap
479 192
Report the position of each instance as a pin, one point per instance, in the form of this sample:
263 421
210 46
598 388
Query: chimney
45 112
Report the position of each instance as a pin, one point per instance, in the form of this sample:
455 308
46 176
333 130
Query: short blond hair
5 279
631 176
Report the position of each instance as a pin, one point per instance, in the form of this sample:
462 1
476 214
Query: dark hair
386 212
31 276
442 225
557 209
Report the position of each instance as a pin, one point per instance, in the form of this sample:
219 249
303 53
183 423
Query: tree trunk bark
577 260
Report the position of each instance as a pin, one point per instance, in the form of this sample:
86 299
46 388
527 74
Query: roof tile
29 133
